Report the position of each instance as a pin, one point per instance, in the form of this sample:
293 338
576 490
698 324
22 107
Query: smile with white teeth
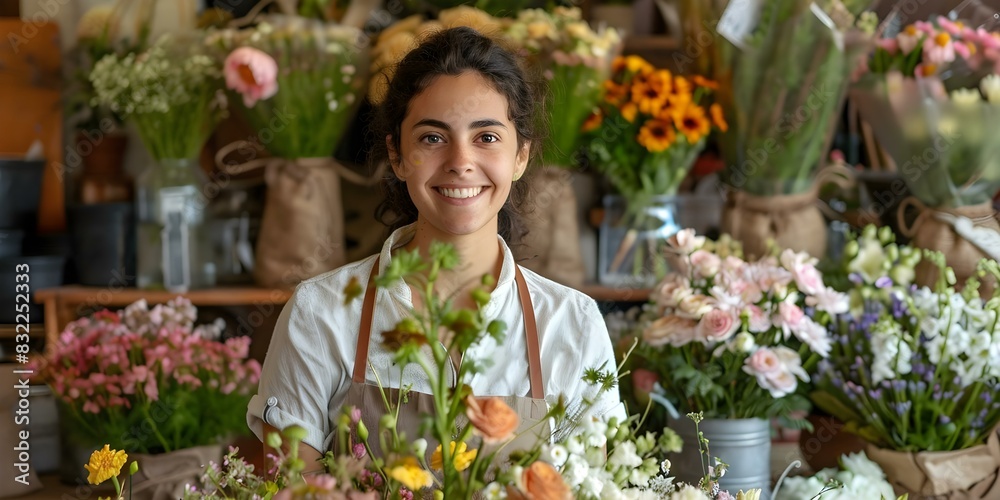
461 192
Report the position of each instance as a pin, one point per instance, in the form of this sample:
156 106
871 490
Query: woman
459 124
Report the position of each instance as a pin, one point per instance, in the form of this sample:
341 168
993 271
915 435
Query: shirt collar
405 234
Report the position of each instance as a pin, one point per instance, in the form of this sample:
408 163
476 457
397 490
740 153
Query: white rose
555 454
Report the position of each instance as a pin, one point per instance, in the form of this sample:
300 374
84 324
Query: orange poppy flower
656 135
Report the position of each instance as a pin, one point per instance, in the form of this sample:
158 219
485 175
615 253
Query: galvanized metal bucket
744 444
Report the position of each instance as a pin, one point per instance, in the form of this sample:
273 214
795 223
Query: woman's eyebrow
486 122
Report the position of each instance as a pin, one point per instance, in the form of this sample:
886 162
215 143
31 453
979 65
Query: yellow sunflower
652 92
673 107
693 123
105 464
634 64
656 135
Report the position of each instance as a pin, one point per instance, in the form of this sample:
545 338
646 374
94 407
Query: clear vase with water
633 240
172 251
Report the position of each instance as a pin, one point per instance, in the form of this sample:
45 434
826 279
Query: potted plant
150 382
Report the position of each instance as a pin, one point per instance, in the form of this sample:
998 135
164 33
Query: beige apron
369 400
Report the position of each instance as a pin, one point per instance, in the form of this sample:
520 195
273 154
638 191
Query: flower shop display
170 94
782 68
574 60
151 383
916 371
932 94
644 138
299 83
857 477
733 339
490 452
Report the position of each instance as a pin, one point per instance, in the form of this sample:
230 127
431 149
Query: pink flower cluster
754 308
118 359
944 42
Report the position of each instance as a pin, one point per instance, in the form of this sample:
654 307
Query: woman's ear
521 162
394 159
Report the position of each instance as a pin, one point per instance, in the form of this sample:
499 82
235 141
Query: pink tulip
251 73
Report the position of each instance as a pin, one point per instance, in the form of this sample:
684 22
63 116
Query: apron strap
530 329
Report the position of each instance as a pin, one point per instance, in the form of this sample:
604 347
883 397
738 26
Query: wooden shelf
603 293
648 43
35 330
102 296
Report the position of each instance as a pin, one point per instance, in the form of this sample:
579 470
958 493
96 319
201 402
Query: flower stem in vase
627 243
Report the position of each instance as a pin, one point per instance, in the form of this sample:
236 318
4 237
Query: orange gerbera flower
705 82
656 135
593 121
674 107
614 93
652 93
693 123
718 117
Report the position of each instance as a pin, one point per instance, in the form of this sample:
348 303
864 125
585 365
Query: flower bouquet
916 373
857 477
171 93
644 138
150 382
782 67
490 452
299 82
733 339
932 93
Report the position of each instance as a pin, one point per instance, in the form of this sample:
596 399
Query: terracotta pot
824 446
103 179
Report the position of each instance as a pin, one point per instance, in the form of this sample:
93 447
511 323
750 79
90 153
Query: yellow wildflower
105 464
409 473
693 123
656 135
718 117
462 458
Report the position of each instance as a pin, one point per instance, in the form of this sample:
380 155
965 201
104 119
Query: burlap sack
302 229
934 229
552 246
968 474
792 221
163 476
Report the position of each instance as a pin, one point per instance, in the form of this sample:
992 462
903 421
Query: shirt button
272 401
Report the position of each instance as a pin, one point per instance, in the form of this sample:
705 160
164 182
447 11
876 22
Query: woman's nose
460 158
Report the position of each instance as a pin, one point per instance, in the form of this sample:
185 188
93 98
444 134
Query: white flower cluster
861 478
155 81
956 332
563 31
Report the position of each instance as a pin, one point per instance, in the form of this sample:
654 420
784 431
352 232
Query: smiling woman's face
458 155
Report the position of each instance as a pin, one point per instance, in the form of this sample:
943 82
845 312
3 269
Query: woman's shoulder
332 283
546 294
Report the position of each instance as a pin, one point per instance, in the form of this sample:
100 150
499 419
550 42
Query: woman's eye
490 138
432 139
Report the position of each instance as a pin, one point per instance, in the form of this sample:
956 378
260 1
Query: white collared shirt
310 361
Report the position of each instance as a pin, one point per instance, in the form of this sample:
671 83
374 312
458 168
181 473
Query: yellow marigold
651 93
463 459
633 64
673 107
656 135
105 464
593 121
682 86
628 111
693 123
718 117
409 473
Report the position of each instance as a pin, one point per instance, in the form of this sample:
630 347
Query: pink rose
706 264
251 73
718 325
696 306
759 322
686 241
762 362
670 291
808 279
815 336
673 330
789 318
779 384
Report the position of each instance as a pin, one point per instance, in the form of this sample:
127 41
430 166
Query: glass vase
633 239
172 249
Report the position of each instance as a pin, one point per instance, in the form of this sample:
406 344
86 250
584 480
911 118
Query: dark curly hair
452 52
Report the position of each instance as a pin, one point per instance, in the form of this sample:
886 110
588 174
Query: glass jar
633 240
172 249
